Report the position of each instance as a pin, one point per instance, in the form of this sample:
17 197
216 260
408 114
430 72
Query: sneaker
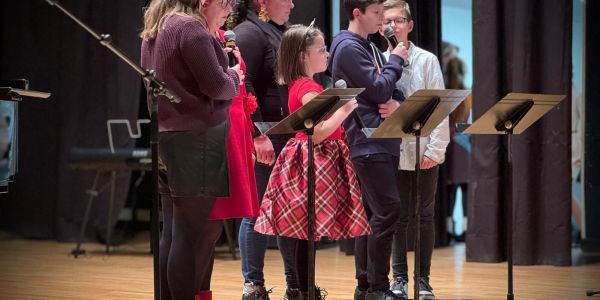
320 294
292 294
400 287
255 292
359 295
425 290
381 295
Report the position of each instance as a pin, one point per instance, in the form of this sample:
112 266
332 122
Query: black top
258 41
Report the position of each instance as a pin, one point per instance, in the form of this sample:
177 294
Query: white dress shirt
423 72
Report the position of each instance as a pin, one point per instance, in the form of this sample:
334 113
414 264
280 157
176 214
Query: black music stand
513 115
12 94
417 116
304 120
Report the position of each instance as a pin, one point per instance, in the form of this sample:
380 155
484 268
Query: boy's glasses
397 21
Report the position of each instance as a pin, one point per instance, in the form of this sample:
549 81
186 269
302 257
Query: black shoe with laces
425 290
320 294
292 294
400 287
359 294
255 292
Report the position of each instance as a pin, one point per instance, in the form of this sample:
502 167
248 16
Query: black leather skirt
194 164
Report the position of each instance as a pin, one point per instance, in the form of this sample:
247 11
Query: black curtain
522 46
591 173
306 10
427 32
89 85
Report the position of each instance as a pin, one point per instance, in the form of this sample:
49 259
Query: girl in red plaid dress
339 211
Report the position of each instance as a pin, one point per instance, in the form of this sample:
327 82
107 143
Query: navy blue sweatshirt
352 59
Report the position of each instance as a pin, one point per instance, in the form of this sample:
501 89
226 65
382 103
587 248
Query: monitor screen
8 142
9 111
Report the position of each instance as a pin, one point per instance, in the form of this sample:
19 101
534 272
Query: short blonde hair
389 4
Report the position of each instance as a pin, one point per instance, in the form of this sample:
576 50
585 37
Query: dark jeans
253 245
379 181
427 187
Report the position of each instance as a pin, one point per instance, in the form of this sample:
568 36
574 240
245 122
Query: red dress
243 198
339 211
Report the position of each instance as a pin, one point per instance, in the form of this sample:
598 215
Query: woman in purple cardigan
179 44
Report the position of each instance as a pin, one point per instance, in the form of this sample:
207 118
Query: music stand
513 115
304 120
417 116
12 94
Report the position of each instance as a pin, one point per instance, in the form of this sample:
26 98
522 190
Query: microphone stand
157 88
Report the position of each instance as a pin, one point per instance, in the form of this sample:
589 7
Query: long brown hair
159 9
294 43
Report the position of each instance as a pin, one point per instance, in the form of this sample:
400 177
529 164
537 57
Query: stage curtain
89 85
525 47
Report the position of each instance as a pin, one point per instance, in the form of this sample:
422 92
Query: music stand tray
12 94
513 115
417 116
305 119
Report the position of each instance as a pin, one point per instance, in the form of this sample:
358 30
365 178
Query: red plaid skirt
339 211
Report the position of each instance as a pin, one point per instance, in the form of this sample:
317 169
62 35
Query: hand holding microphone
399 48
230 47
233 54
341 84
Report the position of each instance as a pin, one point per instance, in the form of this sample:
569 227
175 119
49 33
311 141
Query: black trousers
380 182
427 188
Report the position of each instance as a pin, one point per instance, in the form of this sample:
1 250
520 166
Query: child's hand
349 106
401 51
386 109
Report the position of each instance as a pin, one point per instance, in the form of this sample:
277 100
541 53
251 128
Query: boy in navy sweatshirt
357 61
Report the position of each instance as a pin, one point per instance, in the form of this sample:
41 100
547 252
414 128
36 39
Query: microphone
230 43
389 34
341 84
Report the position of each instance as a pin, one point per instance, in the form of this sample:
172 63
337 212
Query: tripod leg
111 204
91 194
417 201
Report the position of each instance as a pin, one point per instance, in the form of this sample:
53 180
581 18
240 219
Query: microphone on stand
341 84
389 34
230 43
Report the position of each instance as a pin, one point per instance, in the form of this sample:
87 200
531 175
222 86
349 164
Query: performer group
216 165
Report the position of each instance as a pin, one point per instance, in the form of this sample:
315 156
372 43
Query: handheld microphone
230 43
341 84
389 34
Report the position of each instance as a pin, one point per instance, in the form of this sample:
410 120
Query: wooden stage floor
32 269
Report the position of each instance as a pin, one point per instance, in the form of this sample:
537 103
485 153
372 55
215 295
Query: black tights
302 265
186 246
